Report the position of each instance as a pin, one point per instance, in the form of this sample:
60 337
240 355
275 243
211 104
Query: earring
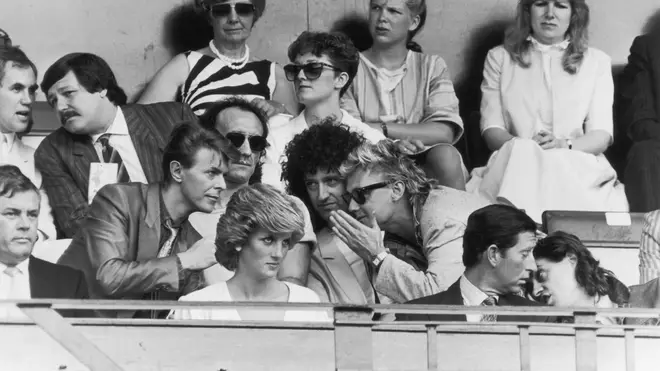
238 249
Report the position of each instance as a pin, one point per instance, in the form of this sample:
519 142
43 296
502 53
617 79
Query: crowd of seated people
219 186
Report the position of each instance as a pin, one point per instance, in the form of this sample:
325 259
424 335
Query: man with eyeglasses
102 140
420 254
245 127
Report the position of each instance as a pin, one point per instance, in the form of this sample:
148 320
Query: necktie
111 155
164 251
490 301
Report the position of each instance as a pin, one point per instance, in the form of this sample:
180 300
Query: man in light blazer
337 274
137 243
18 84
98 131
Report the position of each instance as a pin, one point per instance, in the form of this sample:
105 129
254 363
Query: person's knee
445 157
645 152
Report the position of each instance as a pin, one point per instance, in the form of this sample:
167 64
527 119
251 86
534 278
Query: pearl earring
239 249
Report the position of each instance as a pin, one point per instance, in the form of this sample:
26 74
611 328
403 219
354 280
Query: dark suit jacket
640 89
64 159
52 281
117 247
453 296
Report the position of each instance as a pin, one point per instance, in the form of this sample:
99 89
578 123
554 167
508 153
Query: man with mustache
18 84
137 243
102 140
23 276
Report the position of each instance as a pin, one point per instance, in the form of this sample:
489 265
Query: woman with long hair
546 111
225 68
407 94
253 237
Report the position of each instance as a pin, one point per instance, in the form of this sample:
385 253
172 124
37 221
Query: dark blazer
52 281
117 247
64 159
640 89
453 296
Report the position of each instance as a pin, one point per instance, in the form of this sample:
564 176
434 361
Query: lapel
340 270
149 229
654 59
83 154
41 285
453 295
22 156
148 145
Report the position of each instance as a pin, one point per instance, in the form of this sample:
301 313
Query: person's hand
270 107
410 146
548 141
199 256
365 240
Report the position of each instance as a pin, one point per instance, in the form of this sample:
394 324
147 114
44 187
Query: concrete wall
129 34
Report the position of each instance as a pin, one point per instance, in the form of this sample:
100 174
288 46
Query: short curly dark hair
324 146
334 45
250 208
594 279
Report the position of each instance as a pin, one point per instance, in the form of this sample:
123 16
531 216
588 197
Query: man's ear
493 254
176 171
398 191
341 80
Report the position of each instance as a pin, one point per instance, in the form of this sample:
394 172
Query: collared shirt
6 145
120 140
472 296
546 56
16 288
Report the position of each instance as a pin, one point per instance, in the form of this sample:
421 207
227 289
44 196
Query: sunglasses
224 9
360 194
257 142
312 70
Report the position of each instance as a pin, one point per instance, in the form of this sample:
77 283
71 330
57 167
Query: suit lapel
339 268
149 232
40 285
83 154
147 146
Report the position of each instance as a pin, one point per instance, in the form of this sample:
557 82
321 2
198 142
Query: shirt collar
544 48
118 126
165 217
9 138
472 295
22 266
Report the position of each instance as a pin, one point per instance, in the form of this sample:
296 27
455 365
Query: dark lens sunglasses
312 70
360 194
224 9
257 142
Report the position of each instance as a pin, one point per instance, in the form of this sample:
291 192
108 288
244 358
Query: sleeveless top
210 80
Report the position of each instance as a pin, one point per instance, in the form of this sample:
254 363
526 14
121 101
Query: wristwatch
378 259
569 143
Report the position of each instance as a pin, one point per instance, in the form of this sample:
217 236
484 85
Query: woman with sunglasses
244 125
407 94
421 253
322 68
253 237
225 68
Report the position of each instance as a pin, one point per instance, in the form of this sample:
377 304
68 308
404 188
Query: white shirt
472 296
120 140
6 142
17 287
282 132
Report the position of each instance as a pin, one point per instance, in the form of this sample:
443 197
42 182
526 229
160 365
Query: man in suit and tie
18 84
498 259
23 276
313 157
101 139
137 242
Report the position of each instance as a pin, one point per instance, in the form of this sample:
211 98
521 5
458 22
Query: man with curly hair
337 274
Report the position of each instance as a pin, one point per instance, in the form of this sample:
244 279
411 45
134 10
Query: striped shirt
210 80
649 249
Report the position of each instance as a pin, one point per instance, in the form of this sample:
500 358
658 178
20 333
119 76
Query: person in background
546 111
497 253
137 243
102 139
424 222
254 235
18 85
311 172
225 68
245 127
407 94
23 276
569 276
640 114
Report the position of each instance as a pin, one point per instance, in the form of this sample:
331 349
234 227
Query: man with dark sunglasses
245 127
420 254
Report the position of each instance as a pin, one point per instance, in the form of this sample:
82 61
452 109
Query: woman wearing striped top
225 68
